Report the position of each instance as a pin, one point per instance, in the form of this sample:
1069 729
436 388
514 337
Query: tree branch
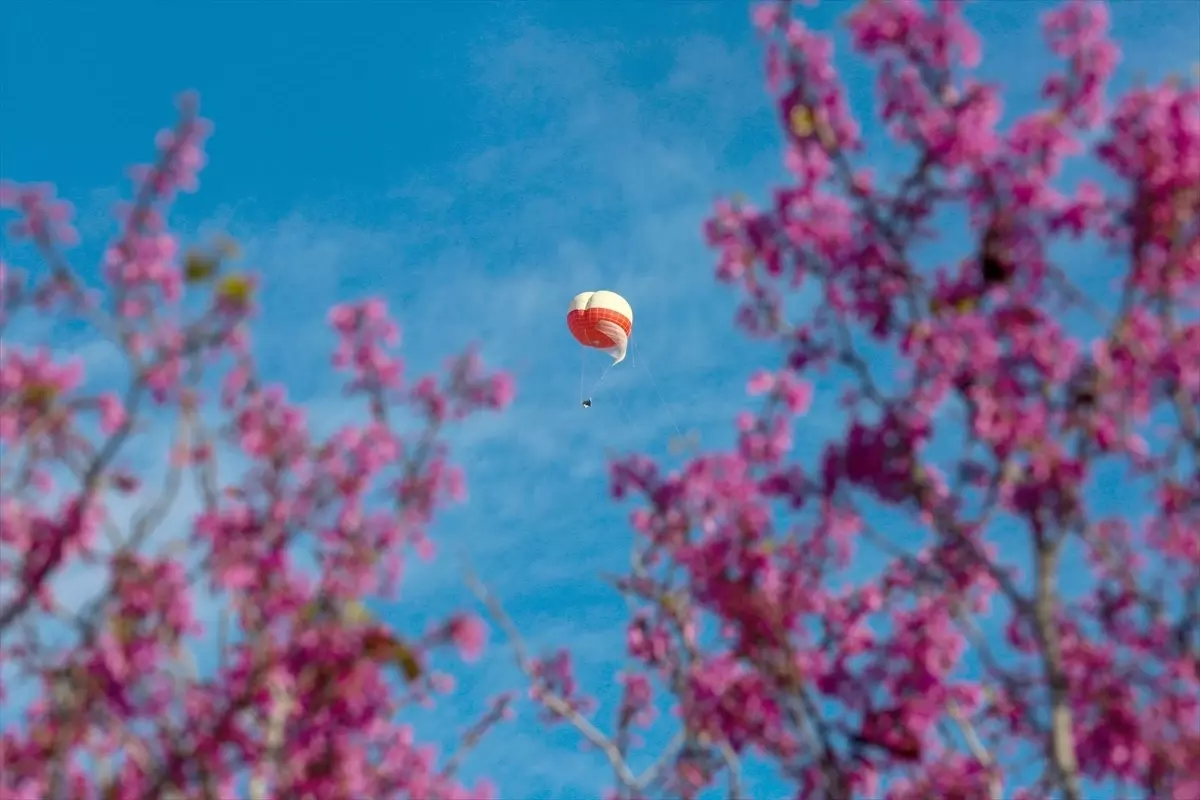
553 702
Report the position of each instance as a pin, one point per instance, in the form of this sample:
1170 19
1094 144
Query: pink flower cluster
305 698
970 463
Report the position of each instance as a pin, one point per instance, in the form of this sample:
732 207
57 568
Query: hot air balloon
601 320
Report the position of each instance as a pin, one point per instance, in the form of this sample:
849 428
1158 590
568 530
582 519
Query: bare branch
554 703
1061 746
281 709
977 748
653 772
734 766
474 735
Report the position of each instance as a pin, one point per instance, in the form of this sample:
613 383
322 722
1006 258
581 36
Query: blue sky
476 164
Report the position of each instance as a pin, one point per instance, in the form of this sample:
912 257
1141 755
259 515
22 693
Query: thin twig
474 735
977 748
281 709
653 772
553 702
734 766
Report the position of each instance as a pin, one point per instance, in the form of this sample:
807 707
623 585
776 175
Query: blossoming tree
985 395
978 426
301 703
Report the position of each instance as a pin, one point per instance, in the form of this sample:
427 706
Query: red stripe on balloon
583 324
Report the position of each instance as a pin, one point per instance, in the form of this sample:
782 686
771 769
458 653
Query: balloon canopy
601 320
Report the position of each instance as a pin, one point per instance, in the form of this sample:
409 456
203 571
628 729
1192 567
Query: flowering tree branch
115 688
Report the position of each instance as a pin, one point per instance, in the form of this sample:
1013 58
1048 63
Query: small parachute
601 320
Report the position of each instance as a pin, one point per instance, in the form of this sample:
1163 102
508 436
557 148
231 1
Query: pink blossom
469 635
